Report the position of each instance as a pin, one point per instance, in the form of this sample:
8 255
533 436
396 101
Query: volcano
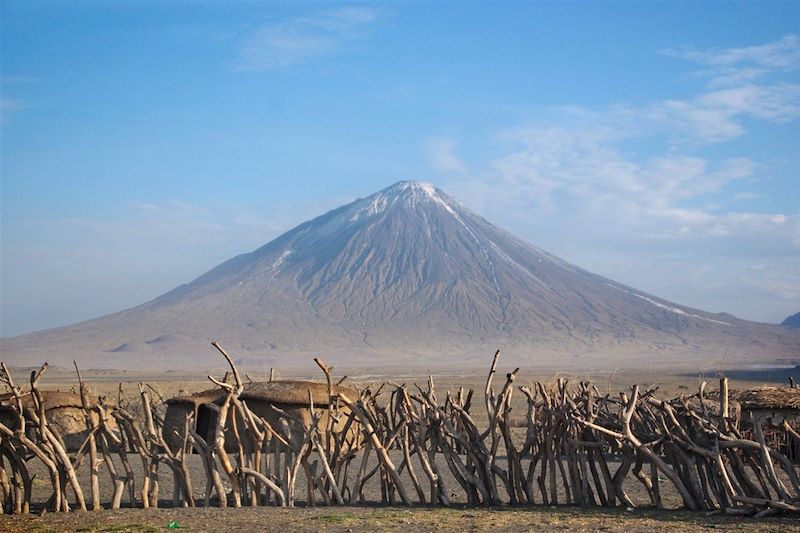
406 276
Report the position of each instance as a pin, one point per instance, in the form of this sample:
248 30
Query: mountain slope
792 321
406 275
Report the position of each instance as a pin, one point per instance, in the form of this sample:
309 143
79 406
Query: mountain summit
407 275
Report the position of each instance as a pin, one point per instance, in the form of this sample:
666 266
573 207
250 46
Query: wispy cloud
441 153
742 82
717 116
17 80
734 66
555 169
301 39
9 106
748 195
668 224
583 190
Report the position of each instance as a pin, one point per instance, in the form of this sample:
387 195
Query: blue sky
145 142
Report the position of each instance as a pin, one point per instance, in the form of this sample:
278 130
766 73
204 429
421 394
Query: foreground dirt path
388 519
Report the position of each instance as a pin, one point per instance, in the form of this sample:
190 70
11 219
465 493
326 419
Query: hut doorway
206 420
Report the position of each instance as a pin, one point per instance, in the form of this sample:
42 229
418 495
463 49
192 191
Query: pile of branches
579 447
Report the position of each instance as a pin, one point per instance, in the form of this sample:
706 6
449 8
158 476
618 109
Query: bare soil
365 518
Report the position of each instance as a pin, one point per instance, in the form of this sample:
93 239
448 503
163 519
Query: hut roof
52 400
712 405
293 392
287 392
770 398
198 398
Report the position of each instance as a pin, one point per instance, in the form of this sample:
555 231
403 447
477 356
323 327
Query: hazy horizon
145 143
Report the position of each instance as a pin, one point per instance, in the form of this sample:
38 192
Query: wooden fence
573 446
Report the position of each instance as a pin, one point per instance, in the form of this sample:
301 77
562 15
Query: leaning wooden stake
376 443
51 439
94 470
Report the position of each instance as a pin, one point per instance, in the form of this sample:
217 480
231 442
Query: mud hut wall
174 420
71 425
265 410
68 420
205 416
771 420
773 416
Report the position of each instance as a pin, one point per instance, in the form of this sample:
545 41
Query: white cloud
748 195
578 185
742 82
553 169
781 54
298 40
744 64
9 106
441 153
714 116
666 221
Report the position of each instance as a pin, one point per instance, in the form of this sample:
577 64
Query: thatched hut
771 407
201 405
771 404
63 410
291 397
712 406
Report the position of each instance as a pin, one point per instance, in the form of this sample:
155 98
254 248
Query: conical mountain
407 275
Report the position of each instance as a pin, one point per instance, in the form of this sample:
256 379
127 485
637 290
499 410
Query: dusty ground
389 519
172 382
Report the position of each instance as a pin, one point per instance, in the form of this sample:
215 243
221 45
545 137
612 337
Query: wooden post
93 462
723 397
